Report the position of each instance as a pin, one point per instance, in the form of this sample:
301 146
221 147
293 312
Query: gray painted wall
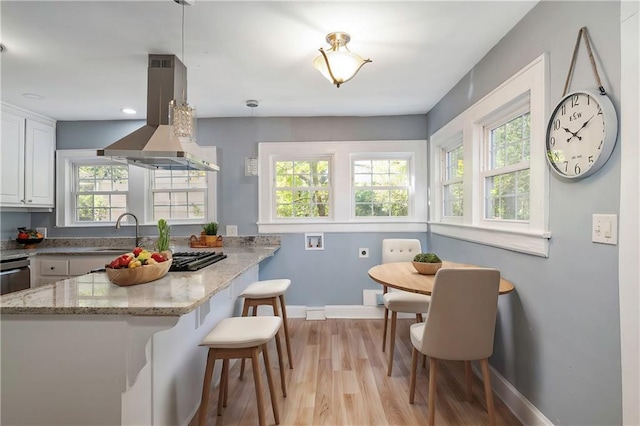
338 267
558 338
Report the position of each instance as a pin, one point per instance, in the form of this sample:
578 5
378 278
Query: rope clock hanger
583 127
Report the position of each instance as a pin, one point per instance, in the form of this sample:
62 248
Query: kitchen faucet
134 218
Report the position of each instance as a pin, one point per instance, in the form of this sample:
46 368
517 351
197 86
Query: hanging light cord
182 32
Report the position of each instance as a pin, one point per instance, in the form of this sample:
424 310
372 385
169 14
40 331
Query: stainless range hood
155 145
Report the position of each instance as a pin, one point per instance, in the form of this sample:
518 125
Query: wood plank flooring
339 378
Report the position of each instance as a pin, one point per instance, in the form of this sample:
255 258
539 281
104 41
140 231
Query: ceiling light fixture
182 116
338 64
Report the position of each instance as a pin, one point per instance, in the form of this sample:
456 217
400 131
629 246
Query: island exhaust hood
155 145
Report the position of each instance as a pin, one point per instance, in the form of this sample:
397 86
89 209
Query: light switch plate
605 229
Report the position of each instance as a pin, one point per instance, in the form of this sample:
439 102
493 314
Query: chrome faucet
134 218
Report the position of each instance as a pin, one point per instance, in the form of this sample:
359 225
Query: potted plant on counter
164 234
210 232
427 263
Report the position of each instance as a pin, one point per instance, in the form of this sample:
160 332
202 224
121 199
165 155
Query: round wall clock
581 134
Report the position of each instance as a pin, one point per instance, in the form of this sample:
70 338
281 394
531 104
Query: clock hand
585 124
573 135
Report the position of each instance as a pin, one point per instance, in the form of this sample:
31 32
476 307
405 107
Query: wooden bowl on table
427 268
140 275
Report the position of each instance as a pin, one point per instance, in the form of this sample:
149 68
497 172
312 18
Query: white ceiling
88 59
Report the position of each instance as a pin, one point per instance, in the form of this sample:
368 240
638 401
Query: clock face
581 134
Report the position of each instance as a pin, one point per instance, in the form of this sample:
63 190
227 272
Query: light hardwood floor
339 378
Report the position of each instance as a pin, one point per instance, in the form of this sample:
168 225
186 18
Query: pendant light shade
182 116
338 64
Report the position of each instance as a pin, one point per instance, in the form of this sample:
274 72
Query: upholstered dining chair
460 326
400 250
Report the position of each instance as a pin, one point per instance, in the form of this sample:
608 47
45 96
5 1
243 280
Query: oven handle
12 264
11 271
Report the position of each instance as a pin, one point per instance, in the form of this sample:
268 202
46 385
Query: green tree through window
302 188
381 187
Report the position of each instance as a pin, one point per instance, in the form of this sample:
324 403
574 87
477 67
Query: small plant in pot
210 233
427 263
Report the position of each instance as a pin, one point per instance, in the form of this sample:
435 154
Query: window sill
294 228
529 242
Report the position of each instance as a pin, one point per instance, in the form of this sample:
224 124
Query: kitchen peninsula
85 351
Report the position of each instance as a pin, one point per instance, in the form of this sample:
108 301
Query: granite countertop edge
206 282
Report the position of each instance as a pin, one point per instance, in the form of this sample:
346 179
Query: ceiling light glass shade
182 117
338 64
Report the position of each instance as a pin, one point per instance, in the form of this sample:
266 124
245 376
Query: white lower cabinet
49 269
27 149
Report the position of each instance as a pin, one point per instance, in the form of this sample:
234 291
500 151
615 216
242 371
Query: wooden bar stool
268 292
240 337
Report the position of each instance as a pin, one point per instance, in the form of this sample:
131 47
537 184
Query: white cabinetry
27 148
49 269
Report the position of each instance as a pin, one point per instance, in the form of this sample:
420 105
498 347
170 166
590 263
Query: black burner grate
192 261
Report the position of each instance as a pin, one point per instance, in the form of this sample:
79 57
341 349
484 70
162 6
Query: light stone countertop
177 293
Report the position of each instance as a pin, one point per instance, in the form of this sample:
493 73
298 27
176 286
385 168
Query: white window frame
330 187
139 183
532 237
342 218
208 201
410 183
453 142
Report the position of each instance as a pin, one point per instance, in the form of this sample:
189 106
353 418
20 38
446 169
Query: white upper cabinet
26 159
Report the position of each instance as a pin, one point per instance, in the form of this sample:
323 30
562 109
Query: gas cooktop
194 260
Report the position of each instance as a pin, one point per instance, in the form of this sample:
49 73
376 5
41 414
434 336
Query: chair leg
392 341
433 365
281 365
283 307
267 367
211 360
257 377
486 378
467 376
245 312
386 319
412 383
222 389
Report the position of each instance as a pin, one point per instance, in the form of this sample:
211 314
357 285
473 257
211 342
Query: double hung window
381 187
94 191
362 186
490 179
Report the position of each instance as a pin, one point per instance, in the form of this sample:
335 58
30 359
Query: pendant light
338 64
182 116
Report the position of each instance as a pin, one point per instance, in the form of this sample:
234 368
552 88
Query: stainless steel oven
15 275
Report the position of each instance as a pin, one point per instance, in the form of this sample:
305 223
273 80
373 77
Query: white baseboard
334 311
520 406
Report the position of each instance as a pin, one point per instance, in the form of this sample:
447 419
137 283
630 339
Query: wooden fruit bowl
427 268
140 275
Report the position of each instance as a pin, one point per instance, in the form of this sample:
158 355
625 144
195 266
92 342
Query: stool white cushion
242 332
266 288
403 301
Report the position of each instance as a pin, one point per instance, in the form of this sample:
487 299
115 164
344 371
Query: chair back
400 250
460 323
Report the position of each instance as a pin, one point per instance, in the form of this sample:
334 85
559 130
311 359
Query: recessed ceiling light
128 110
33 96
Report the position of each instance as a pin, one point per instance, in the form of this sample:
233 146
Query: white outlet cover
232 230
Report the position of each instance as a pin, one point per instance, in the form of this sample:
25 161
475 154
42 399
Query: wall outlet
232 230
363 253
